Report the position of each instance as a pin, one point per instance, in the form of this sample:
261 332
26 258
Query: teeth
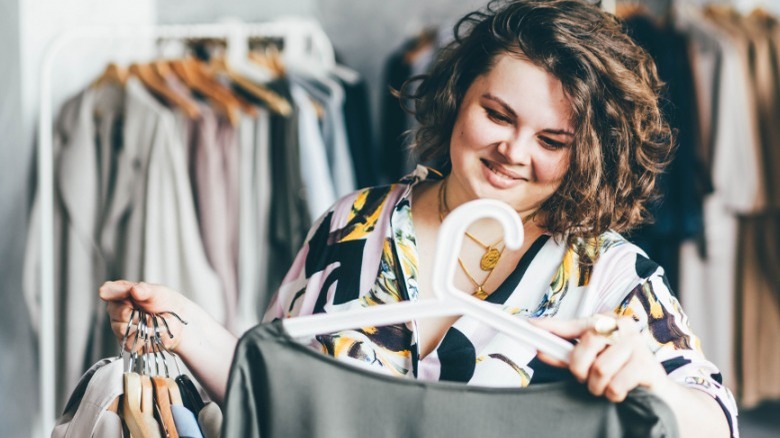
496 171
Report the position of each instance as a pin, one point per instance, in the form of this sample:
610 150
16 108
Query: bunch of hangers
151 395
201 77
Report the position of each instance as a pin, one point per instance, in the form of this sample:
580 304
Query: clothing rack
303 39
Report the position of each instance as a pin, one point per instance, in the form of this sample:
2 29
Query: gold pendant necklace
492 255
489 259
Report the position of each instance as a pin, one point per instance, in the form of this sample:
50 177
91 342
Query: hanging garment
211 159
186 424
357 116
84 160
289 214
279 388
315 170
677 216
210 420
151 231
256 186
334 130
86 413
708 280
394 152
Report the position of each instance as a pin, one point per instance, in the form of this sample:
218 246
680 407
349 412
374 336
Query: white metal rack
302 38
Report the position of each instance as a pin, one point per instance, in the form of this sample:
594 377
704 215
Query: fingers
567 329
550 361
115 290
623 381
611 357
152 298
584 354
606 367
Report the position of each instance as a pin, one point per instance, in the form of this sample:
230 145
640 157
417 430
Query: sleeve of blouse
288 301
665 327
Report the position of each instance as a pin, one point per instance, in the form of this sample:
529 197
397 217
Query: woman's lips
499 176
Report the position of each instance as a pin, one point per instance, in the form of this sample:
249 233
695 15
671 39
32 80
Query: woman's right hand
122 296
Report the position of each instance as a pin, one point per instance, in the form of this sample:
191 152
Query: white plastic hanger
449 300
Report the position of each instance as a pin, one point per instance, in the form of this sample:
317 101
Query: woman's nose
516 150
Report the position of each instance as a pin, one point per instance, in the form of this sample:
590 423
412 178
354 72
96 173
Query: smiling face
512 137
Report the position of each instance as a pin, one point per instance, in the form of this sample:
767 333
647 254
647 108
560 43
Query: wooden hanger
270 59
209 73
113 74
138 405
275 102
174 392
163 402
190 73
152 82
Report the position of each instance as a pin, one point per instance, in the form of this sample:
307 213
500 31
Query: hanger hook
454 228
159 345
127 333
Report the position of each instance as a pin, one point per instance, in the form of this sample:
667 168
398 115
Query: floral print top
362 252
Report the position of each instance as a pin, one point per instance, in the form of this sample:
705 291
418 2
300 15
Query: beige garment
86 413
82 160
759 355
759 352
210 420
741 177
707 284
151 230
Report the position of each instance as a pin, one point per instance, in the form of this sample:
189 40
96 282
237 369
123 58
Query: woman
551 108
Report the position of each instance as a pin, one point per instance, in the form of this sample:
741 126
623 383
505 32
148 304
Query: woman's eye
551 144
497 116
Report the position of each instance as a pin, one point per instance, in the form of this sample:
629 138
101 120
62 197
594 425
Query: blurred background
720 59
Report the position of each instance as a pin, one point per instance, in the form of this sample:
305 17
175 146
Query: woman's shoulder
609 246
619 267
372 201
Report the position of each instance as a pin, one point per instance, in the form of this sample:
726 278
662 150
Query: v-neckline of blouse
409 278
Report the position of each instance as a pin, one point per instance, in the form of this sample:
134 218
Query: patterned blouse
355 253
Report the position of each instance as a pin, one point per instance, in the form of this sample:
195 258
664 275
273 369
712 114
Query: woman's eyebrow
512 112
559 132
501 102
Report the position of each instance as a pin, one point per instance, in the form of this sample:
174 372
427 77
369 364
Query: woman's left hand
611 365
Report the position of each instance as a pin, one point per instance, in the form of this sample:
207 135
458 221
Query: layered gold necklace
489 259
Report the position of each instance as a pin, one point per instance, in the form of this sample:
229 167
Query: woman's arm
204 345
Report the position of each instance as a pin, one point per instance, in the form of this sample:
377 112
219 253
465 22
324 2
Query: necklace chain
488 261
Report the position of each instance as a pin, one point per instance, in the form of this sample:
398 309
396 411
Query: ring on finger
605 326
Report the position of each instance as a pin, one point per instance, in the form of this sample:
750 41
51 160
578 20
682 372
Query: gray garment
280 388
83 160
334 129
288 221
85 413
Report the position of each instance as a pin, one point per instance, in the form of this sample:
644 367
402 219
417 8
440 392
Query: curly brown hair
621 142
